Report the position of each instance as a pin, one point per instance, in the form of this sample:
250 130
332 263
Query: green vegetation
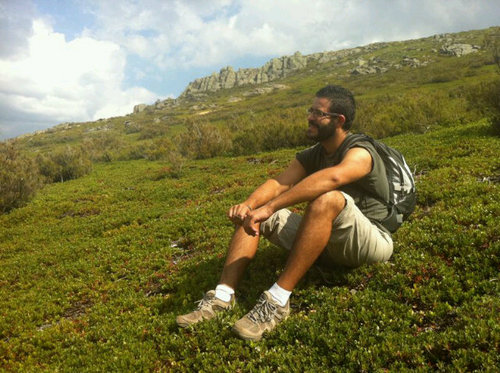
441 91
64 164
95 269
19 179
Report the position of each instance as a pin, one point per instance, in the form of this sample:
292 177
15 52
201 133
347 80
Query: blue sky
80 60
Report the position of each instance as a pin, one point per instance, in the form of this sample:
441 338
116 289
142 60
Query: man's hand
253 218
238 213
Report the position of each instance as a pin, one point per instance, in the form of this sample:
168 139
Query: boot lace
263 311
205 303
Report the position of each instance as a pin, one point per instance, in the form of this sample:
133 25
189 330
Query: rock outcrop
274 69
356 61
139 108
281 67
228 78
458 50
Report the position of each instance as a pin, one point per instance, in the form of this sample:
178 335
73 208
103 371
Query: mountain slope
403 76
94 271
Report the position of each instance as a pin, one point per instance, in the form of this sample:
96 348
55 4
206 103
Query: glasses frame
321 114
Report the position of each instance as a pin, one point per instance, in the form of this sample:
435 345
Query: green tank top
367 192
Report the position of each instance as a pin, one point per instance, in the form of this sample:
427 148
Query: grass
95 270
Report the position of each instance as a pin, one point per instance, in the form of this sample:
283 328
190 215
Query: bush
64 164
270 131
485 100
19 178
103 147
204 140
395 114
152 130
135 151
174 170
159 149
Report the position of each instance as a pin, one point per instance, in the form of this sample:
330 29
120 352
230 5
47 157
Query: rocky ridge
274 69
282 67
354 59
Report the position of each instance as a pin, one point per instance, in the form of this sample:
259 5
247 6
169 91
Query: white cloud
54 80
58 81
200 33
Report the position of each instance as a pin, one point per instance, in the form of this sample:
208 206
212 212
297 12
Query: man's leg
241 251
312 237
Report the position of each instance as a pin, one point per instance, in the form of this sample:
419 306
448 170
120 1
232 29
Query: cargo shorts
354 240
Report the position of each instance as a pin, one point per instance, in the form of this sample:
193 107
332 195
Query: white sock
223 292
279 294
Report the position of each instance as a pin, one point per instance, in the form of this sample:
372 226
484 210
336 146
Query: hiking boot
266 314
206 310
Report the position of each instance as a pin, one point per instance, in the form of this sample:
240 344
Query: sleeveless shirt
367 192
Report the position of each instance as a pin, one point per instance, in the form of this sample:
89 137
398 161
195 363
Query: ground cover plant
95 269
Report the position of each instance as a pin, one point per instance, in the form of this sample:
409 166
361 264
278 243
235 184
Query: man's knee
330 203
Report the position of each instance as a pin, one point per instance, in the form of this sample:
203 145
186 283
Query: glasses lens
315 112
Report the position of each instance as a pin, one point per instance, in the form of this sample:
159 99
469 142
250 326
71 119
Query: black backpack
402 192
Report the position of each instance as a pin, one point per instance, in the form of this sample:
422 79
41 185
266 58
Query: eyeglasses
320 114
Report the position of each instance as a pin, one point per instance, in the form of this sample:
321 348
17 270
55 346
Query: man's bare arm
267 191
356 164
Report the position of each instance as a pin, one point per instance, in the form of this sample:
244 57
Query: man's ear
340 121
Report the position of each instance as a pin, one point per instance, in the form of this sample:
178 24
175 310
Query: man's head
332 111
341 102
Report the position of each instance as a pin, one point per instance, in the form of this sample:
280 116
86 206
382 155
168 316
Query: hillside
434 74
94 271
95 268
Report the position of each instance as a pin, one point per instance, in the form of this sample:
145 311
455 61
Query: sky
82 60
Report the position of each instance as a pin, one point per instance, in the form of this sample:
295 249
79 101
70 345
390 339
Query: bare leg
312 237
241 251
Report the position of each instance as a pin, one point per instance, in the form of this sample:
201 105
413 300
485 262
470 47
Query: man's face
320 127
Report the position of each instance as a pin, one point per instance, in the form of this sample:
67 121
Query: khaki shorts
354 240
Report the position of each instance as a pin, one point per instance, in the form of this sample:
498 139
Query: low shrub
175 168
397 113
19 178
64 164
160 149
204 140
103 147
152 130
485 100
135 151
270 131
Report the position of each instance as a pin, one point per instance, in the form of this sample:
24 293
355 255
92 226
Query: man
340 223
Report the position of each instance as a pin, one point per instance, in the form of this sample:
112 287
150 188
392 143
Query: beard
323 132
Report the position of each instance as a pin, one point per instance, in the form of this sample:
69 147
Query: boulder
409 61
458 50
139 108
363 70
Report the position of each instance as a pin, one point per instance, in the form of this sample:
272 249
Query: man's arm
356 164
267 191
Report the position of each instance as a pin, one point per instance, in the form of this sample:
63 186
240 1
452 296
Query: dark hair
341 102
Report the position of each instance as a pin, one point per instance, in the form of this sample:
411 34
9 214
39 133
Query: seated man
340 223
